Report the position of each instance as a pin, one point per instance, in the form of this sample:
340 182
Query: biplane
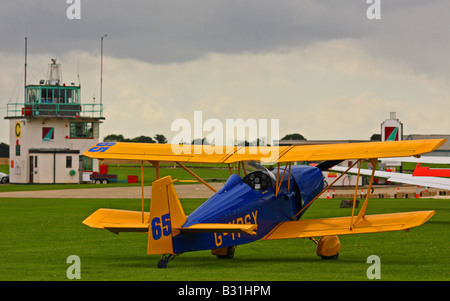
262 204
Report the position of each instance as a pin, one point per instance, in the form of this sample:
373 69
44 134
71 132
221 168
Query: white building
50 131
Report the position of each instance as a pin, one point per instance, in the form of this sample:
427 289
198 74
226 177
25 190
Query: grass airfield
38 235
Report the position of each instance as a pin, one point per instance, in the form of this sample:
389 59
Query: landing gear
224 253
162 263
328 247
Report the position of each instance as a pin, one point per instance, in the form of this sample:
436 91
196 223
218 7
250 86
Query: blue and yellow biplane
264 204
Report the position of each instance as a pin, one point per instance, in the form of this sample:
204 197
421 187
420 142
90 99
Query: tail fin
166 214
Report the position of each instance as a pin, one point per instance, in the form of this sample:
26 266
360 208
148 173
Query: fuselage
251 200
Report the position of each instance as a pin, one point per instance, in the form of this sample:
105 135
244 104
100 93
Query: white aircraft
435 182
422 159
4 178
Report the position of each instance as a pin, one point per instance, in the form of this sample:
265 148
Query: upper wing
364 150
272 154
341 225
436 182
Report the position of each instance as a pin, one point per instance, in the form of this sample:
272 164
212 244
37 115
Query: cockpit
258 177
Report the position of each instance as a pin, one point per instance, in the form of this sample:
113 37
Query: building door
31 169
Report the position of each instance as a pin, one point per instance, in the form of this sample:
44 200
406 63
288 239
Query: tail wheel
162 263
328 247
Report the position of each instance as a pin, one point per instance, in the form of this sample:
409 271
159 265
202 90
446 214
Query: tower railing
53 110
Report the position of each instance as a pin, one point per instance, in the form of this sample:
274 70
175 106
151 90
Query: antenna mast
25 79
101 70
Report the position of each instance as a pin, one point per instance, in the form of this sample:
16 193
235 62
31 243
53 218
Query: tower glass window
81 130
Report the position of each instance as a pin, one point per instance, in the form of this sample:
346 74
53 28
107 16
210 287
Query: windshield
251 166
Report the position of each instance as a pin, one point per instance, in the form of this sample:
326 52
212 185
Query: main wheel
329 247
224 253
229 254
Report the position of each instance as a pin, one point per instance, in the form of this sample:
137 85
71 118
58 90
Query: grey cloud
178 31
174 31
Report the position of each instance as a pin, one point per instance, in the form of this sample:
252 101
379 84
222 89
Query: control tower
50 130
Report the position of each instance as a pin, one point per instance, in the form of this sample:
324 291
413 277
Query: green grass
37 236
4 168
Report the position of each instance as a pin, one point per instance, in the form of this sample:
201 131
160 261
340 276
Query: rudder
166 215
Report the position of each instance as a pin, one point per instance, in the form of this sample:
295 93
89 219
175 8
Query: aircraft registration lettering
101 147
247 219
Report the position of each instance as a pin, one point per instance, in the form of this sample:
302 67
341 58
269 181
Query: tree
375 137
143 139
4 150
295 136
114 138
198 141
160 138
120 138
243 143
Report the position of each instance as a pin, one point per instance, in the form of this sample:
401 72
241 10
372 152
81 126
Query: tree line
158 138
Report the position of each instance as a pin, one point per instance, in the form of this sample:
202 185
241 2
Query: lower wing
341 225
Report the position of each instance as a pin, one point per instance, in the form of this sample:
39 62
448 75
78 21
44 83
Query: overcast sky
322 68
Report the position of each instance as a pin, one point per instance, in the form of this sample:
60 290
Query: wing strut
197 177
278 182
156 166
304 208
356 191
362 211
142 188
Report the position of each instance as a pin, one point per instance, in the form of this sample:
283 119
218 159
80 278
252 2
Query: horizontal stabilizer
116 220
220 228
341 225
116 228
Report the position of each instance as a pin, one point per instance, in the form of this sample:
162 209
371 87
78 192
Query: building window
68 161
86 163
81 130
32 95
